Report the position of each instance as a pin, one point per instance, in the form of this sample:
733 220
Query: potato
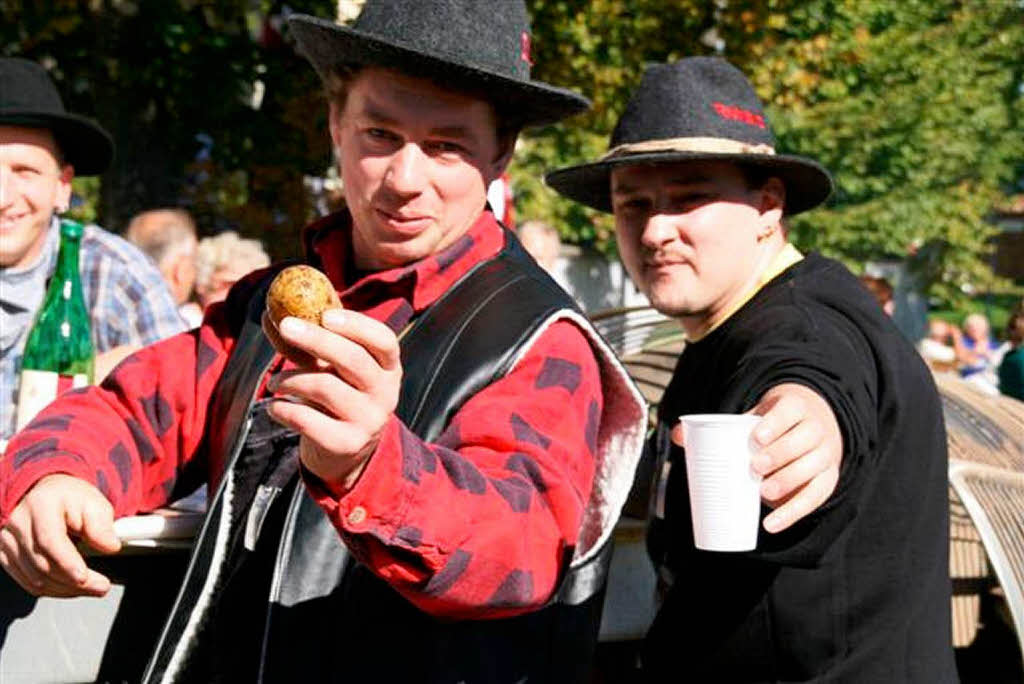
300 291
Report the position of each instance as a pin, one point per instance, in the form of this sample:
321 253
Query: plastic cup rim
719 418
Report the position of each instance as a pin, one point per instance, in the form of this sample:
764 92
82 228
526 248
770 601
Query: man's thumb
98 530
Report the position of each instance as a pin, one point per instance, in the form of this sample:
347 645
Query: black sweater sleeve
805 343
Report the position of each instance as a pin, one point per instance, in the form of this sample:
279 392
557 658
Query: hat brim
327 45
807 183
83 143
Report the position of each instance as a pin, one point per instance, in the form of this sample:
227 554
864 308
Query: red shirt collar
396 295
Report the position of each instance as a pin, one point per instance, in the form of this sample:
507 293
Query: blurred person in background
221 261
882 291
42 148
542 241
979 353
1011 368
168 237
939 346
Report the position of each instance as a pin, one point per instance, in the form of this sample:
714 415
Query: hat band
695 144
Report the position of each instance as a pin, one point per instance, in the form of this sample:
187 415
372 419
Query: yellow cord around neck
786 257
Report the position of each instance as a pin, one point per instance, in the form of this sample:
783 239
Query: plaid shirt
476 524
127 298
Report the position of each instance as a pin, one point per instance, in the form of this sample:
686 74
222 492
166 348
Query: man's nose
659 230
405 173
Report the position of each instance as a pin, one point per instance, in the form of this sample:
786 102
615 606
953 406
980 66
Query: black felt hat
699 108
476 45
28 97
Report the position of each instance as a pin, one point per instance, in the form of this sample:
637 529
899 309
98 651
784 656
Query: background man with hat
472 457
42 147
850 577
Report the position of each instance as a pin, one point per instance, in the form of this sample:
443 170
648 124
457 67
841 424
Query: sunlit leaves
915 106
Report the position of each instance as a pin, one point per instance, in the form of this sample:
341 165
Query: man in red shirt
481 518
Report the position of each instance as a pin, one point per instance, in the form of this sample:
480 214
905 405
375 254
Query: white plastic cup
725 492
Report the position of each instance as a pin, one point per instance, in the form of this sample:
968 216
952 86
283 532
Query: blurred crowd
198 272
972 349
992 361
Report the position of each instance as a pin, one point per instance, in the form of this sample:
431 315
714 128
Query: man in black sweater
850 577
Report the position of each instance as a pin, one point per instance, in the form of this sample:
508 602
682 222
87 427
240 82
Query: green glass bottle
59 353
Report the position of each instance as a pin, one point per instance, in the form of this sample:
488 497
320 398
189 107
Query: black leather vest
272 594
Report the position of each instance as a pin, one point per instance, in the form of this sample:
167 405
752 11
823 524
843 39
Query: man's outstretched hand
37 544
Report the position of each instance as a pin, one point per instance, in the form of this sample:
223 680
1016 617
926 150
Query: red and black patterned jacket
537 427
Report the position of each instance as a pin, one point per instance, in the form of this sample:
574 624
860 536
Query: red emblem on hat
738 114
524 43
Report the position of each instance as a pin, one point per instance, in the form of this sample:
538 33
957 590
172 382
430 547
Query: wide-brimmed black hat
28 97
699 108
480 46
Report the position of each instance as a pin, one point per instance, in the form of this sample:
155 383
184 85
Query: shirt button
356 515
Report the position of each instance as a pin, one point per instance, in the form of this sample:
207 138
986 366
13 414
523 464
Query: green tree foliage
918 109
915 106
175 82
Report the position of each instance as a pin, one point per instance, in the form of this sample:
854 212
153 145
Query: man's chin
669 307
666 301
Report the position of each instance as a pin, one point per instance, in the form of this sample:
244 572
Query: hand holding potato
301 291
347 381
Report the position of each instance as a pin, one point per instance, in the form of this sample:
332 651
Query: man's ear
773 201
506 147
63 196
334 121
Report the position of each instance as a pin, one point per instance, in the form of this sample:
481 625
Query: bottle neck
67 258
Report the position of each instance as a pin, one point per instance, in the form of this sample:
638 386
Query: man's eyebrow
378 116
622 188
688 180
454 130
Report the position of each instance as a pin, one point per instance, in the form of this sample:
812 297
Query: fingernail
770 491
292 326
760 463
761 435
334 318
772 524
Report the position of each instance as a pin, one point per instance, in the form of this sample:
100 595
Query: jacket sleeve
480 523
133 435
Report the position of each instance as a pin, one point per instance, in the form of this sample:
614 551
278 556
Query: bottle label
38 388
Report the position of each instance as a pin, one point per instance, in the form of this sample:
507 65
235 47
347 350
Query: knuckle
45 539
99 509
39 563
318 389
